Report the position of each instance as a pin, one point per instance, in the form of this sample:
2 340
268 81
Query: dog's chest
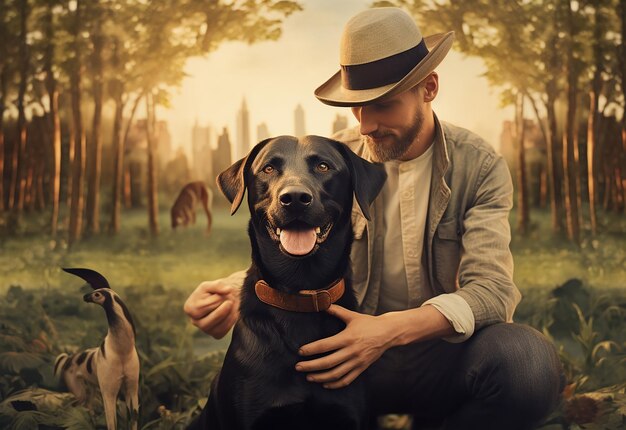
273 343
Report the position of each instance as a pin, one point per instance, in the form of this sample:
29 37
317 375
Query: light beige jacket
466 244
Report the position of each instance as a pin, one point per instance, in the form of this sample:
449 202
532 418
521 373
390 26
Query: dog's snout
295 198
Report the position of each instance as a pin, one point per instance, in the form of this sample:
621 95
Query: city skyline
276 76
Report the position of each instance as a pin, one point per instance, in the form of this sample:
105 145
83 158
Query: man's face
391 126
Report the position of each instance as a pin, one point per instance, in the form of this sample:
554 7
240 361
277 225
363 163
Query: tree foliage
118 50
555 53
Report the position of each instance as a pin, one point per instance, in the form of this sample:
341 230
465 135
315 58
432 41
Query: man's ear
232 181
367 178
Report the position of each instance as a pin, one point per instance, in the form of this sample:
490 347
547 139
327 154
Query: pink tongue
298 242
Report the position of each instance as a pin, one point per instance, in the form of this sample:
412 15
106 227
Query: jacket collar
439 190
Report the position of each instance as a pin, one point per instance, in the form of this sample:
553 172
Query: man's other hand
213 307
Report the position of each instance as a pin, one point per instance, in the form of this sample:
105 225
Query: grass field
175 259
41 305
184 258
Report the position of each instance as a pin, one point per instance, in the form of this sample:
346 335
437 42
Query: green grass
184 258
543 260
154 275
175 259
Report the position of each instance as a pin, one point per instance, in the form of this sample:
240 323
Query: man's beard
395 146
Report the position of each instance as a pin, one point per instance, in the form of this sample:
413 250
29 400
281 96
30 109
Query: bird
114 365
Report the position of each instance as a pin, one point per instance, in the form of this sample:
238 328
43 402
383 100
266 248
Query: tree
522 184
153 204
622 167
55 122
177 32
8 30
138 49
78 165
570 142
97 36
537 47
19 160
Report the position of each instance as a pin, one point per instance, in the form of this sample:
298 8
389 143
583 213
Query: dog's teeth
278 232
318 230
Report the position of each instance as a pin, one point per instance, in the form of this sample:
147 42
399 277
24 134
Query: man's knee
515 365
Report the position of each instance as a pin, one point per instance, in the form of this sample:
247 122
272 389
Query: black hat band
383 72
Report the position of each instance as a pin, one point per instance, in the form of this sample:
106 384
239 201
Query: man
432 269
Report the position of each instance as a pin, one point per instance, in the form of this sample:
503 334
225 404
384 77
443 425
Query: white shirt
404 280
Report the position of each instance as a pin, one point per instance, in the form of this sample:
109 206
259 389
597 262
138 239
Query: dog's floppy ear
232 181
367 178
93 278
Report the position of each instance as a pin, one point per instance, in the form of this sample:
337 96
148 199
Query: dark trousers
506 376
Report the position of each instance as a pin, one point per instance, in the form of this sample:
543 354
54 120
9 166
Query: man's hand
361 343
213 307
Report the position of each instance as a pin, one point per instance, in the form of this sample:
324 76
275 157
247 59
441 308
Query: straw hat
382 53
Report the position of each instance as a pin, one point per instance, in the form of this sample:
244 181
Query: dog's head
299 191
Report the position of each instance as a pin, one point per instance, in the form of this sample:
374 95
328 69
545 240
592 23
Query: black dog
300 195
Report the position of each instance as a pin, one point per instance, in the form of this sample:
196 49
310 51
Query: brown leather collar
304 300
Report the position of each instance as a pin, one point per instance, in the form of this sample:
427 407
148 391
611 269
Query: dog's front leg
109 387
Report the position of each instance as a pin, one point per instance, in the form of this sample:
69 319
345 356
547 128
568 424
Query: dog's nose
295 198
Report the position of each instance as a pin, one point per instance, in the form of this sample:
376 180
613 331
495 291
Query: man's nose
367 120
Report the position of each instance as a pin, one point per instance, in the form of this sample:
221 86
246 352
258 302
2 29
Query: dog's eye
268 169
323 167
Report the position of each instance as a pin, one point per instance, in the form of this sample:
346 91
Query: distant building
299 129
340 123
243 132
221 155
262 132
201 153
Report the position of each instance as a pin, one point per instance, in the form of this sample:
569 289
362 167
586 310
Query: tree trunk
23 59
619 187
71 154
569 140
591 150
554 181
53 97
78 168
39 191
28 186
128 198
93 194
543 170
132 197
543 188
131 118
153 212
577 168
118 168
522 188
3 92
623 67
592 122
552 144
117 92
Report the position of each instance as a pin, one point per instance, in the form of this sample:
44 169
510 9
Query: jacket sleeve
486 266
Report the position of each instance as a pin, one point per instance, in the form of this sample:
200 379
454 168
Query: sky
274 77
